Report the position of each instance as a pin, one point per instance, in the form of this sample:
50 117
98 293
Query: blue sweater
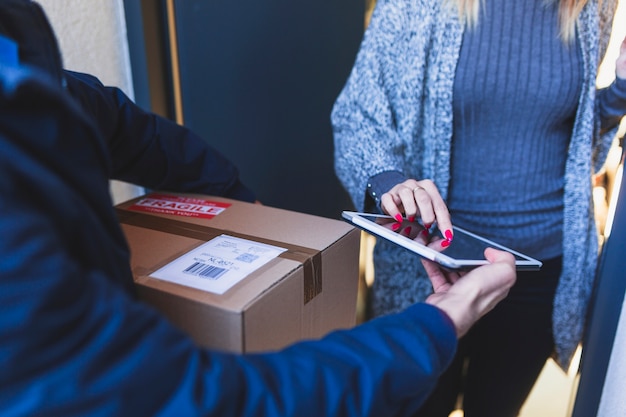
74 341
516 93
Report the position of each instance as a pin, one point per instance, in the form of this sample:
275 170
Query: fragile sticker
179 206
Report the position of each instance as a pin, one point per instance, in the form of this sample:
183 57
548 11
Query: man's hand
466 297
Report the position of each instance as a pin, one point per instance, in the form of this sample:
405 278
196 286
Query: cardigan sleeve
365 136
612 104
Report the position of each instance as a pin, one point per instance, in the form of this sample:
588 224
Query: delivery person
75 341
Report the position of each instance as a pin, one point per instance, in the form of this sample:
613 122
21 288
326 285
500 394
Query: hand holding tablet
465 251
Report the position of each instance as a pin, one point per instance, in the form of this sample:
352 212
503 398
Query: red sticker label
179 206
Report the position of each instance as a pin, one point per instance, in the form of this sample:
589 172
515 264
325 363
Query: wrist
457 310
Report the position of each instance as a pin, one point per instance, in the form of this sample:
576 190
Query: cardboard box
306 291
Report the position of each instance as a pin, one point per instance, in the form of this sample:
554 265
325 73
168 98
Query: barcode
205 270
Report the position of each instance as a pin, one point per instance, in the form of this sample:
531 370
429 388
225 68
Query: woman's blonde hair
568 14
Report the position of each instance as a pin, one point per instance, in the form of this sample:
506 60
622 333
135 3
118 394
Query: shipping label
218 264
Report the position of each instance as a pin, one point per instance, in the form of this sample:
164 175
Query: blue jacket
74 340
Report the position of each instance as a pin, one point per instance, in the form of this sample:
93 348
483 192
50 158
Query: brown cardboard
304 293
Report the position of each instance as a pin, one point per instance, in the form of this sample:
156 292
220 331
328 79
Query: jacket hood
25 23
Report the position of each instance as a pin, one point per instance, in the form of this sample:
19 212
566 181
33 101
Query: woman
486 116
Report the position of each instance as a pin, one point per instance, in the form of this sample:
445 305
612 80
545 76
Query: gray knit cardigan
395 114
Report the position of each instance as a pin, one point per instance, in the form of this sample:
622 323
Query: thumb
496 256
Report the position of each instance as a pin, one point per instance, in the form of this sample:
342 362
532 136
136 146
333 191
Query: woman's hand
418 199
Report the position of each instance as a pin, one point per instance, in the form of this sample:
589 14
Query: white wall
92 39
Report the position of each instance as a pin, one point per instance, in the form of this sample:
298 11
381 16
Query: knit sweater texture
515 96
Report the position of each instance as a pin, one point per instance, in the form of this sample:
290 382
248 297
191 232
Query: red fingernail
427 225
412 219
445 243
407 230
449 234
398 217
395 226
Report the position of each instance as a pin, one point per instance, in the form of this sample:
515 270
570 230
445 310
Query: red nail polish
395 226
412 219
449 234
445 243
427 225
407 230
398 217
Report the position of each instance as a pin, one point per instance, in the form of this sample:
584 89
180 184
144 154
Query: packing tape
311 259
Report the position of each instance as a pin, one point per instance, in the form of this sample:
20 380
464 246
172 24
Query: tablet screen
465 251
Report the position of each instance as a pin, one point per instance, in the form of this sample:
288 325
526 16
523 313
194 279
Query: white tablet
466 250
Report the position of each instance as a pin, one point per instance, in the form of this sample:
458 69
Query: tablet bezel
527 263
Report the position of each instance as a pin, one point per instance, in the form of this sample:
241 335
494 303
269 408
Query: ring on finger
417 188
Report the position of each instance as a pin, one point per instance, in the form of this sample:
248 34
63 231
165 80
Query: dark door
605 313
258 79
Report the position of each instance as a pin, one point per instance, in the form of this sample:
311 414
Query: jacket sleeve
152 151
73 343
